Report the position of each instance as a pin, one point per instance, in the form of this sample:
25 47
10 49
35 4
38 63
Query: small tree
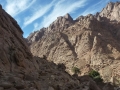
95 75
75 70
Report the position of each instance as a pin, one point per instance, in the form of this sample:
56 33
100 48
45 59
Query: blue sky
32 15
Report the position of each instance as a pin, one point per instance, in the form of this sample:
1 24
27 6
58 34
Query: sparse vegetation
95 76
75 70
44 57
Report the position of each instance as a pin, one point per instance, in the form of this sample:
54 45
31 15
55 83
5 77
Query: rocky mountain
13 48
60 24
89 42
111 11
19 70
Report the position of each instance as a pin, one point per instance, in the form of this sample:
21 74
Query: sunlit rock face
89 40
111 11
19 70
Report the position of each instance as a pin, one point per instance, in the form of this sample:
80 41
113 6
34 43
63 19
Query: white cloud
39 12
96 7
61 8
14 7
36 25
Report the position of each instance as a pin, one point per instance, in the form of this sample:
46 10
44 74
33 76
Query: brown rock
51 88
108 86
111 11
1 88
11 89
6 85
32 88
90 39
93 86
19 85
73 43
13 48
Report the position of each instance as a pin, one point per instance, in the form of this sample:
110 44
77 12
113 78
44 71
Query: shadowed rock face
13 48
89 40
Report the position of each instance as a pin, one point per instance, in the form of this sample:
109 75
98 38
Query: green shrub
93 73
75 70
95 76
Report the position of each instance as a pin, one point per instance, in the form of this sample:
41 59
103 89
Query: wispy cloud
39 12
61 8
36 25
14 7
96 7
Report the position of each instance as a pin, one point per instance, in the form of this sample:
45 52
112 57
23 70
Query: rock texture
111 11
19 70
13 48
91 40
48 77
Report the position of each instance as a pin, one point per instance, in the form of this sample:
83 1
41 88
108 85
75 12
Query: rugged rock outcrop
91 40
111 11
49 77
34 37
58 25
13 48
19 70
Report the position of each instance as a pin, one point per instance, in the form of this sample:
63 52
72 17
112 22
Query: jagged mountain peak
67 16
61 23
88 40
111 11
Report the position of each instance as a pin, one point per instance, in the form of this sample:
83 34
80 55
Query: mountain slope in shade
14 51
91 40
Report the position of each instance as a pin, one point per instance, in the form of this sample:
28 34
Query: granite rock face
19 70
112 11
91 40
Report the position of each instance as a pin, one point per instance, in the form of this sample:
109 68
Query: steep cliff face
13 48
89 40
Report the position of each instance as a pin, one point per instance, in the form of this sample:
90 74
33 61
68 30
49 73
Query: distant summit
111 11
67 16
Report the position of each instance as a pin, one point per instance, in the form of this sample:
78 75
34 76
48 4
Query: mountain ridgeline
68 55
19 70
92 40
